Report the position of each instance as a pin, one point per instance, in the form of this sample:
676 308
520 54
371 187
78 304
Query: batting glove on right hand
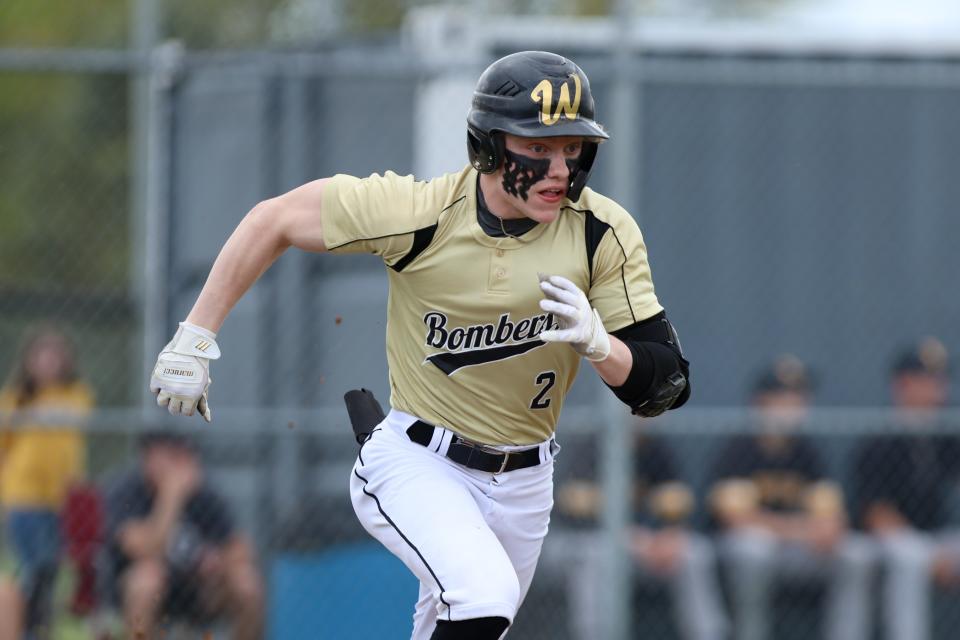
181 376
580 324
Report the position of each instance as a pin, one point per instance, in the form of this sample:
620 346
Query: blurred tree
377 15
594 7
92 23
64 168
64 157
208 24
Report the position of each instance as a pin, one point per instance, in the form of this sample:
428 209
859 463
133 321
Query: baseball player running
502 277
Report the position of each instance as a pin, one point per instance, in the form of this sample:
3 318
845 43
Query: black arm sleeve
660 376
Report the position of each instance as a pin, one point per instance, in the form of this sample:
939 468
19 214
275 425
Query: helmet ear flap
485 150
580 175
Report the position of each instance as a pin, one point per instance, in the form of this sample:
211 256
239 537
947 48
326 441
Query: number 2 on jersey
547 379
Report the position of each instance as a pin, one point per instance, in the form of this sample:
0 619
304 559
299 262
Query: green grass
65 625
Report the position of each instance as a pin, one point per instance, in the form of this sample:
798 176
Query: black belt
475 455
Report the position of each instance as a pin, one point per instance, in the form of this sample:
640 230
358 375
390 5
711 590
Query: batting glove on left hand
181 376
580 324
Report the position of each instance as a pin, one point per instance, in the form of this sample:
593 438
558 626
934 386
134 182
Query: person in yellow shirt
42 408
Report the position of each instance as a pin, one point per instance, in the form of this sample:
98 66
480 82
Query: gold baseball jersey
463 316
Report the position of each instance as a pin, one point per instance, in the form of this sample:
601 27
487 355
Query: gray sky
940 17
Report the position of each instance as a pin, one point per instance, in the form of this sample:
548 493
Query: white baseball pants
472 538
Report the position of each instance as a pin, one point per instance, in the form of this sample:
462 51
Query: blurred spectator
664 550
172 549
903 482
11 610
41 456
782 520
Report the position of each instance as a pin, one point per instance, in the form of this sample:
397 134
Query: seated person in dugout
782 520
663 548
172 548
905 482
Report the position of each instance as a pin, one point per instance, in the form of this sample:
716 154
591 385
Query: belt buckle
479 446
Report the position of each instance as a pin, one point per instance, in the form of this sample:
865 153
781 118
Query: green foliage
375 15
208 24
59 23
594 7
63 156
64 205
63 161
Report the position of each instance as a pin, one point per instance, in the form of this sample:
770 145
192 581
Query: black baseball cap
928 356
786 373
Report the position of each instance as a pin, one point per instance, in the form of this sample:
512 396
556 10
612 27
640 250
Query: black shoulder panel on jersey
421 240
593 233
660 376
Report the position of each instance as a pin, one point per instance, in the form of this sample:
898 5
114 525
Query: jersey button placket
499 275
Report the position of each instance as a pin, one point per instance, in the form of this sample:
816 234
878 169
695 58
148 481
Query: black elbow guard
660 377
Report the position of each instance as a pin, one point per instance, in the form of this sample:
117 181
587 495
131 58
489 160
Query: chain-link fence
792 201
692 573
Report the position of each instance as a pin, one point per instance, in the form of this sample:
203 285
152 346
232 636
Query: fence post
164 63
616 438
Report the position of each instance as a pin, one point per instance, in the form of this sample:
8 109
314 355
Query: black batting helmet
533 94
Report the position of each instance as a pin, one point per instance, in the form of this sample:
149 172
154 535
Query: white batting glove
580 324
181 376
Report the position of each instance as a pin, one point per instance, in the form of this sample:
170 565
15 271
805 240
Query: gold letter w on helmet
543 93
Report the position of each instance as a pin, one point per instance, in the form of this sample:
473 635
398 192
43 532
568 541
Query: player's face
534 177
156 462
47 360
781 411
920 391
